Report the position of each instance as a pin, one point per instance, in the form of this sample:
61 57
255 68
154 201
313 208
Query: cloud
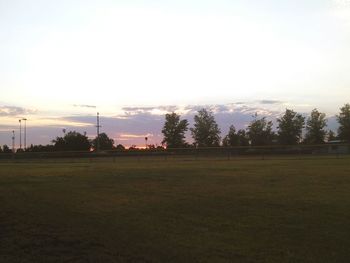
341 10
133 128
341 3
133 136
194 108
155 110
216 108
137 108
233 108
66 122
268 102
85 106
170 108
6 128
13 111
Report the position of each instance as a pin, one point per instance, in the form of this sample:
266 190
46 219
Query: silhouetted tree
133 147
105 143
120 147
344 122
206 132
151 147
243 139
315 132
72 141
6 149
231 139
260 131
290 127
40 148
331 136
234 138
174 131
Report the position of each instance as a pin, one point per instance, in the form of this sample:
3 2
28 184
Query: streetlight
25 132
98 126
13 141
20 134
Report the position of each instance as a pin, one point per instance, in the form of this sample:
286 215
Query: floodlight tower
98 126
20 134
25 132
13 141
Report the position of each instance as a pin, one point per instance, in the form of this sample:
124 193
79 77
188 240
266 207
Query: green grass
175 211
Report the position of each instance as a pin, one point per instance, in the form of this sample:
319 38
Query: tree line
206 133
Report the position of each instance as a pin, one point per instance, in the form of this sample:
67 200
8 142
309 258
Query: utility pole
13 141
20 134
98 126
25 133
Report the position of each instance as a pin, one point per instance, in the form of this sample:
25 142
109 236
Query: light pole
98 126
13 141
20 134
25 132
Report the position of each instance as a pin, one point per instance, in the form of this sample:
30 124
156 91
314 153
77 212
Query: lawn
164 210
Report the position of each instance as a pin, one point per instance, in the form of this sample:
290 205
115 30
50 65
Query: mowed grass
175 211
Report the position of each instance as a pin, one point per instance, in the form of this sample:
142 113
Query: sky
134 61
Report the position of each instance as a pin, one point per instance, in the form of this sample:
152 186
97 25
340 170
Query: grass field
175 211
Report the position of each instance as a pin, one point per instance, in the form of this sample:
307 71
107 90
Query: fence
261 152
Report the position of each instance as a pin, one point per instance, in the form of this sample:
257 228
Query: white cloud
341 10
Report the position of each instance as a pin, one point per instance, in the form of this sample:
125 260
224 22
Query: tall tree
344 122
315 128
206 132
174 131
6 149
260 131
234 138
243 139
72 141
105 143
120 147
290 127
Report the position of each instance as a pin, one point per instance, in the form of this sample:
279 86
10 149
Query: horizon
129 128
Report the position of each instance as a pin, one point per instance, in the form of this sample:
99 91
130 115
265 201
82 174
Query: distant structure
98 126
25 132
13 141
20 134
